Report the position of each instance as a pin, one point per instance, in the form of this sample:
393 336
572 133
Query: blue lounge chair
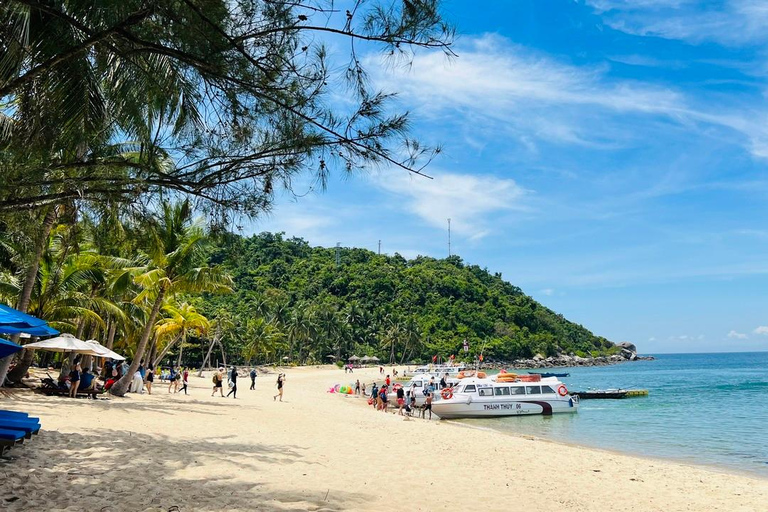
29 427
3 412
9 438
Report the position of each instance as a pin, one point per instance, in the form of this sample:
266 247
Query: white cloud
763 330
737 335
470 201
733 22
652 338
495 85
547 291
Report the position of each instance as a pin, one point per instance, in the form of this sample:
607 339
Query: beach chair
15 414
29 427
10 438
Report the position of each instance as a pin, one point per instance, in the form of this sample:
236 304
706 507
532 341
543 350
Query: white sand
317 451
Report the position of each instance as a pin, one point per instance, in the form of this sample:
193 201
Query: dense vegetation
292 300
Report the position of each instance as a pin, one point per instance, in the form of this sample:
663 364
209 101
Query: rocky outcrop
628 352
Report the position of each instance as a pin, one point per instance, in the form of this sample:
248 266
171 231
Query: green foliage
386 306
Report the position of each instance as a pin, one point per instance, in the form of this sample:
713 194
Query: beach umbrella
331 357
64 343
365 359
104 351
353 359
374 359
13 321
7 348
26 332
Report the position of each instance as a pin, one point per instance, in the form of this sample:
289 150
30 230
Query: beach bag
231 384
215 379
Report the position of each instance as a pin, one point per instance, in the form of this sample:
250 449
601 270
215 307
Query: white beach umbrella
64 343
104 351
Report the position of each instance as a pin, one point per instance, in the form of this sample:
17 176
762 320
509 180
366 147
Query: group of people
80 379
406 400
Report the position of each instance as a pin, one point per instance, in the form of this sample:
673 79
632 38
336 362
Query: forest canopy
293 300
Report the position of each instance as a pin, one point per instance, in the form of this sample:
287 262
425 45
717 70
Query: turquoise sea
707 409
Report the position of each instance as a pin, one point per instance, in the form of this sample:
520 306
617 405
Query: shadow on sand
115 470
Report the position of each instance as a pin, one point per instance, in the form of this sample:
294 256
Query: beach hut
354 360
375 359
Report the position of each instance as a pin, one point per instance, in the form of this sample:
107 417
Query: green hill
296 301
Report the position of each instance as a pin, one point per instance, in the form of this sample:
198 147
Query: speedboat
438 370
504 395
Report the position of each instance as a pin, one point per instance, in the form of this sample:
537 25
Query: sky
607 156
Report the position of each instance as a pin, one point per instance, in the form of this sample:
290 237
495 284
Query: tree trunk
181 348
159 359
111 335
26 297
207 356
121 386
153 353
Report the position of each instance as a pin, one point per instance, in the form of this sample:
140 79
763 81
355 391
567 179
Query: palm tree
263 339
182 320
171 267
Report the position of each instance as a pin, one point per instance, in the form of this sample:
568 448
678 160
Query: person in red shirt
387 381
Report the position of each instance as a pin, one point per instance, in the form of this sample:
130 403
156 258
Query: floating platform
609 394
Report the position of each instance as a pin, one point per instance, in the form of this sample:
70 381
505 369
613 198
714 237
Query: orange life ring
447 393
466 373
481 375
562 390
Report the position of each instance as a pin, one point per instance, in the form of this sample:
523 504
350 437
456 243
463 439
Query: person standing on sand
357 387
280 383
428 403
387 381
375 395
150 378
74 380
383 395
400 400
233 383
253 378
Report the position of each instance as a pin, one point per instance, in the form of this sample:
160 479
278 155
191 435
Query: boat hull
463 407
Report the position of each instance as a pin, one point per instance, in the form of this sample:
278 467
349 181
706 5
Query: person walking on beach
217 380
253 378
400 400
357 387
375 395
280 383
233 383
184 379
150 378
387 381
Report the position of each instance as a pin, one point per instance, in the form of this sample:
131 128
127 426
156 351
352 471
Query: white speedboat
438 370
488 397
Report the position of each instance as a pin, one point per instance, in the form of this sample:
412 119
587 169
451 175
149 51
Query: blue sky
607 156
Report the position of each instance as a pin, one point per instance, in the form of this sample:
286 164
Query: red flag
481 357
434 358
452 357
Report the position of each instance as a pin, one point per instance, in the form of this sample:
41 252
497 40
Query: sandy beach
318 451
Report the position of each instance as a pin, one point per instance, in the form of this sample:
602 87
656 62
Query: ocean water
709 409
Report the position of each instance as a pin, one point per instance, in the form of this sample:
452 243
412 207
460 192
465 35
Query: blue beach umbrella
7 348
42 330
15 318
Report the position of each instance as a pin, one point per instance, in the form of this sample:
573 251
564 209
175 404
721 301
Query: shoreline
203 453
724 470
